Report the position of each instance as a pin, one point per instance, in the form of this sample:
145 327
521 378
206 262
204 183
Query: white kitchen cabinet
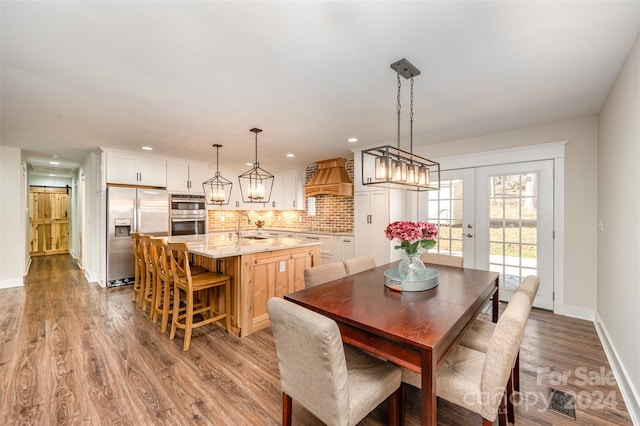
344 247
373 211
133 170
292 189
326 249
187 177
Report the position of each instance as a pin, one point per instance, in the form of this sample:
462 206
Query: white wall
12 218
49 181
618 315
580 205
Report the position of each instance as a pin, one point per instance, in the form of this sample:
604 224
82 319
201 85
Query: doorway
498 218
49 215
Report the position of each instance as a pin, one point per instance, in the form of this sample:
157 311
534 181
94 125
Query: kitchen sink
255 237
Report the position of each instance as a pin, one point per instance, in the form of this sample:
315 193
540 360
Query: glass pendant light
217 190
256 184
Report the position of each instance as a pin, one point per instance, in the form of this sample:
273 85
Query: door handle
469 235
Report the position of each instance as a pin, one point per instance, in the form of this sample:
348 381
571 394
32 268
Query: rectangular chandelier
391 167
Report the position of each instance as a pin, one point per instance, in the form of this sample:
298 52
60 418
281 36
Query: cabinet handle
313 238
346 241
294 204
273 204
237 203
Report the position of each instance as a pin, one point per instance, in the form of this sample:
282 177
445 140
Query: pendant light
256 183
217 190
392 167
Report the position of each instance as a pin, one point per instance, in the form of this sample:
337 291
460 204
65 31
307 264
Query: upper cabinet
186 177
292 189
132 170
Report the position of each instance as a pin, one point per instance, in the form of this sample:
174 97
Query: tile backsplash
333 213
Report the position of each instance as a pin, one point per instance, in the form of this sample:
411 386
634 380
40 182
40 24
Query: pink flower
412 235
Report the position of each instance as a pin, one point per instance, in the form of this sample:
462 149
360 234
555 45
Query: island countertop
220 245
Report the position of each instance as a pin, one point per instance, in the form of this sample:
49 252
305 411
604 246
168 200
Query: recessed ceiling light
147 148
55 163
291 155
352 140
51 174
248 164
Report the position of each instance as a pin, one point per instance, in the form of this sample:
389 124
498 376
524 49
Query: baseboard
576 312
14 282
629 393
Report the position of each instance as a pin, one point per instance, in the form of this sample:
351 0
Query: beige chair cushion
359 264
442 259
339 384
529 286
324 273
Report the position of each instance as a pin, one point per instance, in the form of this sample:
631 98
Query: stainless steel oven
188 214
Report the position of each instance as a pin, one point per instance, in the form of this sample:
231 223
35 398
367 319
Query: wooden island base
257 277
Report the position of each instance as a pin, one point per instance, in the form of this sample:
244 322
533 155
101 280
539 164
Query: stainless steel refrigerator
132 210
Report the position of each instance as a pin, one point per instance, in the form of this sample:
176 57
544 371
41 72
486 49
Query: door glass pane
513 226
445 211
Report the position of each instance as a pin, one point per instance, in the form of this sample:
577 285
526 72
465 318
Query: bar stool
138 269
148 293
184 281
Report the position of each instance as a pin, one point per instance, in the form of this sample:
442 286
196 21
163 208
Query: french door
499 218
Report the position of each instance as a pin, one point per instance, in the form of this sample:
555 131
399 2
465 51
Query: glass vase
411 267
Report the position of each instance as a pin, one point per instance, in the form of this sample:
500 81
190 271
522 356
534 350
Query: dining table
413 329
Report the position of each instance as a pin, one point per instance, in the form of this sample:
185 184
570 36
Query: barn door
48 220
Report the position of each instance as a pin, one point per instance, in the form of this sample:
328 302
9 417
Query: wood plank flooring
76 353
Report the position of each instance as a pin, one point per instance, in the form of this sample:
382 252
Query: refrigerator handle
136 213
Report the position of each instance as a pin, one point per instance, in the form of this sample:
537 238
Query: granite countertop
219 245
254 231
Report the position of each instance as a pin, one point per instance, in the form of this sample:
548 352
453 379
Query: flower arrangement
412 235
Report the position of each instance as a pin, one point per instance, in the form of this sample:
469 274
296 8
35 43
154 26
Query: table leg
428 394
496 304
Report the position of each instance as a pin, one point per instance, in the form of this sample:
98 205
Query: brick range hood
330 179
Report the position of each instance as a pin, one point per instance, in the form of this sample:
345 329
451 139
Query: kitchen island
259 269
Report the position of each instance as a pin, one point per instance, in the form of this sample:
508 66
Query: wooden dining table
416 330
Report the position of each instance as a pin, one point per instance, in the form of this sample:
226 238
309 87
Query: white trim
576 312
558 242
13 282
545 151
629 394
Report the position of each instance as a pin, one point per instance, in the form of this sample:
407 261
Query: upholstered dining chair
442 259
359 264
479 334
478 381
324 273
139 272
337 383
185 282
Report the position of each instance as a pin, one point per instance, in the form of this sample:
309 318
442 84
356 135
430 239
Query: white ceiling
180 76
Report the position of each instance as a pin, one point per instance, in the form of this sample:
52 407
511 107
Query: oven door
180 226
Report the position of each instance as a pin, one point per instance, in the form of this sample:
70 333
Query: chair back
442 259
502 352
359 264
145 243
313 370
179 256
135 240
324 273
529 286
159 256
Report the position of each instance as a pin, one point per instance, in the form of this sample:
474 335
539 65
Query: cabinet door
361 212
178 177
152 172
122 168
371 217
344 249
292 190
198 174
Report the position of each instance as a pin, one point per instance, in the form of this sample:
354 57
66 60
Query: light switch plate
281 266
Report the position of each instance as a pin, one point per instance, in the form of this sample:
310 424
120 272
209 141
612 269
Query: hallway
76 353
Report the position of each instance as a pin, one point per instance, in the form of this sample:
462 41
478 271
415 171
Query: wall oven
188 214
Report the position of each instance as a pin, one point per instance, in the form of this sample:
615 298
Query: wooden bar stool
164 283
148 293
184 281
138 269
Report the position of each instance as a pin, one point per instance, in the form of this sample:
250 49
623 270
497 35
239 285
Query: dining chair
359 264
478 381
479 334
148 293
324 273
206 282
337 383
138 267
442 259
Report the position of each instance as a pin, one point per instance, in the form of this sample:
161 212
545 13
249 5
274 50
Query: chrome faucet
238 229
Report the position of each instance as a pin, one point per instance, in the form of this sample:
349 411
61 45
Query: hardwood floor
76 353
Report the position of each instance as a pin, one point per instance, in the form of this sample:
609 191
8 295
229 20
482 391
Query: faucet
238 229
